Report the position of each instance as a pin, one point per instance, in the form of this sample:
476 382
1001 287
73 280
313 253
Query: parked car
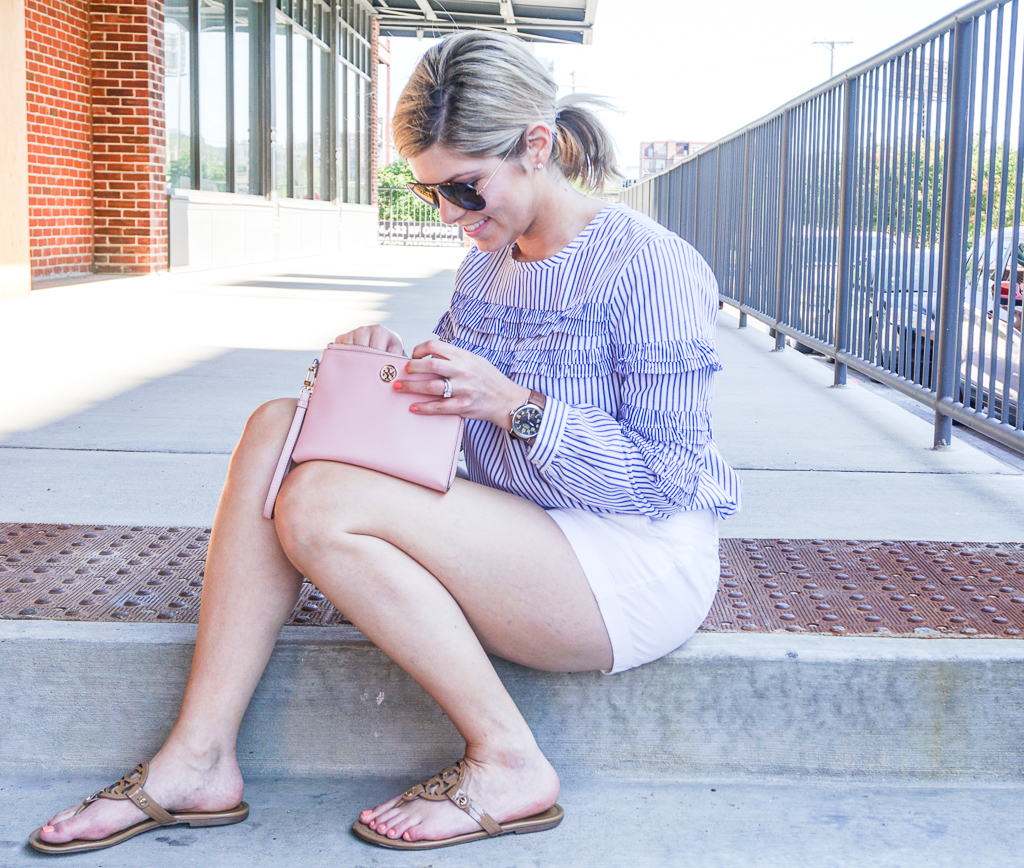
905 297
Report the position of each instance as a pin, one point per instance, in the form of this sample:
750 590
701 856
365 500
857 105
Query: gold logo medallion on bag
388 373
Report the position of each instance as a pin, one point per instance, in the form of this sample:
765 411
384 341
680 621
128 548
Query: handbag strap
285 460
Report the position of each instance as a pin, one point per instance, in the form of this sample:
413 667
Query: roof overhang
533 20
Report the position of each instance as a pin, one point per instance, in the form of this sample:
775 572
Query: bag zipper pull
311 375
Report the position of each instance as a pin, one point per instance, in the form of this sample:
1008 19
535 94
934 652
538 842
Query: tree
394 199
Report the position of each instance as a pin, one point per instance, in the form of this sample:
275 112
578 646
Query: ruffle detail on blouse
666 425
666 357
582 320
556 364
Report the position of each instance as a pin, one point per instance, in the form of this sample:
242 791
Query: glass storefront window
324 149
178 93
300 116
352 135
245 36
316 118
264 96
213 133
281 134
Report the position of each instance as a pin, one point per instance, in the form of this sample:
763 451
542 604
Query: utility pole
831 43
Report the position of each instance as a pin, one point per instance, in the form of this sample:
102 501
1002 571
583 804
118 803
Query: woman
579 346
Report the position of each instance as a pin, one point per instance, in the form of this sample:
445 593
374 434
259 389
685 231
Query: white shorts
654 579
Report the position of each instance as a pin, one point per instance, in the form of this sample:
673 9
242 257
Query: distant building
658 156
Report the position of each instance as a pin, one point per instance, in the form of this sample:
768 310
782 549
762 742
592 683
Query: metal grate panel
855 588
841 587
107 573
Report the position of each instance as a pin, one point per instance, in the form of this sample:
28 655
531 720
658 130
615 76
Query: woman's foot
178 781
509 787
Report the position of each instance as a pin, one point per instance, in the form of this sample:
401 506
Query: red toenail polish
47 828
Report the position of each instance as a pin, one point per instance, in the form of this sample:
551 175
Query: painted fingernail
413 408
396 385
47 828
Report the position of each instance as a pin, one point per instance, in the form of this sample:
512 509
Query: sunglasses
461 195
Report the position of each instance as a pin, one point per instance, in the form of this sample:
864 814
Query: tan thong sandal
448 785
130 787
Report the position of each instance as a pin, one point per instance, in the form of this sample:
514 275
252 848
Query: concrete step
101 696
710 823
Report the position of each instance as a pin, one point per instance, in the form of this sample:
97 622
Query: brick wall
97 199
59 158
129 142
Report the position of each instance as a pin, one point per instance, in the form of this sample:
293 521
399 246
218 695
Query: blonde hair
476 93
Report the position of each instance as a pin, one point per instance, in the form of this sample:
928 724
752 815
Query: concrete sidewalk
120 404
609 824
123 398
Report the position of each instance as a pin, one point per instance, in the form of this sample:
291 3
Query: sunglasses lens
425 193
462 195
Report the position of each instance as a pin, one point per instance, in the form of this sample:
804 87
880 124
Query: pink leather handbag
349 412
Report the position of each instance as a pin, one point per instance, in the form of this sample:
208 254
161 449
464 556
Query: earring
540 166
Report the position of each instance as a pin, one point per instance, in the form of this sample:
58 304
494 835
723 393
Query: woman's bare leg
436 582
249 590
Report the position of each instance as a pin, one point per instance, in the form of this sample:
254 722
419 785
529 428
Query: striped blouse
617 330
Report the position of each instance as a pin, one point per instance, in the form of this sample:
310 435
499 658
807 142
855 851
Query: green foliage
394 199
992 191
993 188
396 174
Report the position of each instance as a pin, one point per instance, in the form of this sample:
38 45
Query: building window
178 92
244 44
297 125
354 94
213 115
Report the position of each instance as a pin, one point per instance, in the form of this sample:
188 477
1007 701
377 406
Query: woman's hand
478 389
375 336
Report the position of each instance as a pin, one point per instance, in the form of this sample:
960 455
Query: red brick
96 145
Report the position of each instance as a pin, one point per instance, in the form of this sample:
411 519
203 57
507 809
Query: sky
696 71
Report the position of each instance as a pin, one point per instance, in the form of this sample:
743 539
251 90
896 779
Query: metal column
953 230
846 228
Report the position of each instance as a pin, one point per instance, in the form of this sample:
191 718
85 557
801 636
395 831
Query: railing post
718 196
953 207
846 228
741 295
696 201
780 338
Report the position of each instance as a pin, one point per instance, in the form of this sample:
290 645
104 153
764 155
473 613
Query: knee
263 436
312 508
270 421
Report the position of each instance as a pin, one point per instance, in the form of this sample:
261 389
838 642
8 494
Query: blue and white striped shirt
617 330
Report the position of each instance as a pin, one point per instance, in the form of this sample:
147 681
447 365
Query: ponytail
583 149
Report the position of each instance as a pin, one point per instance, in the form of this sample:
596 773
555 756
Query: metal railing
405 219
877 219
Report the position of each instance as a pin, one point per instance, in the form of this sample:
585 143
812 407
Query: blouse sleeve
649 458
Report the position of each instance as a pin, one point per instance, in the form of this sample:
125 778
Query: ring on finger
447 388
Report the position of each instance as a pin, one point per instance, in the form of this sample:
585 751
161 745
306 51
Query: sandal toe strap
130 787
448 785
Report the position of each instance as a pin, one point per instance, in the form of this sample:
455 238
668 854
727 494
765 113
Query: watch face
526 422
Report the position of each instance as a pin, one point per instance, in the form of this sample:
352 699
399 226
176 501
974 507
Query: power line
831 43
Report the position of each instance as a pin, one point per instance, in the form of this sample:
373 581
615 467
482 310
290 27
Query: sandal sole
535 823
189 818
